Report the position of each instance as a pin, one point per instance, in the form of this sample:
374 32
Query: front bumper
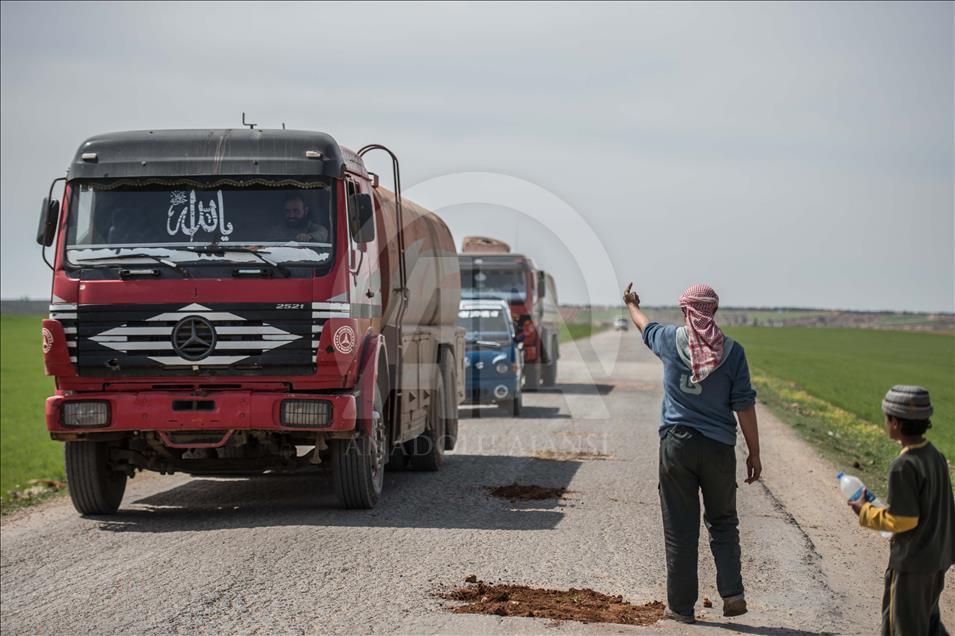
482 389
230 410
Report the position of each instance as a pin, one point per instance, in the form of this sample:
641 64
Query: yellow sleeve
881 519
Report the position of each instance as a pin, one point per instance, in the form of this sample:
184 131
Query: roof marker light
88 156
313 154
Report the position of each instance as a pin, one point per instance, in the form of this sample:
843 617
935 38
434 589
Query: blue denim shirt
708 406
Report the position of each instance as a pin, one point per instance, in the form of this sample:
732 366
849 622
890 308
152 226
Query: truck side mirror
49 215
541 284
366 219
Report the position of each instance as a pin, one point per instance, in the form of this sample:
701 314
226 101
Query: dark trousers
690 463
910 604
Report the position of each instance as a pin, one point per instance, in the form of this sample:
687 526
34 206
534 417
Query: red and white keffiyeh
699 304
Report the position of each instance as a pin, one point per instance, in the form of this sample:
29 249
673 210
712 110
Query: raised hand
631 297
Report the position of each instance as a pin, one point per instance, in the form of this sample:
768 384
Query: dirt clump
562 456
583 605
707 602
525 492
37 488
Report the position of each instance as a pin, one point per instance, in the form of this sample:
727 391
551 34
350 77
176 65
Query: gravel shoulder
274 555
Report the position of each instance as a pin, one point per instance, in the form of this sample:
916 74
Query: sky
787 154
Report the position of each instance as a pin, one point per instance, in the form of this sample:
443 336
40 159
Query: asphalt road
274 555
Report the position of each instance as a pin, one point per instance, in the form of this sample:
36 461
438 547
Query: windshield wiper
119 257
483 343
216 248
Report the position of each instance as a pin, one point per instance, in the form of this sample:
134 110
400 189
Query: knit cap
907 402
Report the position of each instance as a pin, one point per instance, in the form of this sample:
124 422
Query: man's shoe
676 616
734 605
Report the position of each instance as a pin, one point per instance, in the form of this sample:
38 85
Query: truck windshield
506 284
480 323
175 222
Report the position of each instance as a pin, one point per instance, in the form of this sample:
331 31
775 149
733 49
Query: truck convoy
490 270
237 302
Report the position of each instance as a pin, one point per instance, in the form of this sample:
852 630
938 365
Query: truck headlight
306 413
502 367
86 413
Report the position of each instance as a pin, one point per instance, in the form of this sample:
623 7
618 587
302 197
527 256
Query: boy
921 513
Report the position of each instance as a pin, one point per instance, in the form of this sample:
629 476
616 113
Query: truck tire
95 488
513 407
550 369
532 376
358 464
450 374
397 458
427 450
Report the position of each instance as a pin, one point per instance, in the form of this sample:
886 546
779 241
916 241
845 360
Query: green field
26 451
829 383
577 330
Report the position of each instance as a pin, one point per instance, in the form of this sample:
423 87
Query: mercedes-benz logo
193 338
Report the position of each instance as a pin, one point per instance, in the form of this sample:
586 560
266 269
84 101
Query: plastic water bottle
852 487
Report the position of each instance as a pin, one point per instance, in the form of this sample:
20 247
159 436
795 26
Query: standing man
705 381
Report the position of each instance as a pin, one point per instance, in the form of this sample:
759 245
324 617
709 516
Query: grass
828 384
26 450
577 330
850 443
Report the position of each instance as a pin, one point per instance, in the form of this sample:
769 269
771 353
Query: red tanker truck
236 302
490 270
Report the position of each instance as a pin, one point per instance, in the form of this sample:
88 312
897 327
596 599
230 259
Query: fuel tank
431 263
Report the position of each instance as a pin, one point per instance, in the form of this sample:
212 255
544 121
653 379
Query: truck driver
298 226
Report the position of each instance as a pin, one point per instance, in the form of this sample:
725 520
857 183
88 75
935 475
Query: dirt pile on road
525 492
584 605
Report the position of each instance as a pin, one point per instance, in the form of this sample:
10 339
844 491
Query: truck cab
222 298
489 270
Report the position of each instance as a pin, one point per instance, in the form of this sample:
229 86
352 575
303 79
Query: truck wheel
450 374
428 448
358 464
397 458
532 376
550 374
550 370
95 488
513 407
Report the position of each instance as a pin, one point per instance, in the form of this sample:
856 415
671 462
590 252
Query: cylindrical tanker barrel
431 263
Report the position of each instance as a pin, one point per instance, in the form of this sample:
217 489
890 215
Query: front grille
208 339
66 314
193 338
321 312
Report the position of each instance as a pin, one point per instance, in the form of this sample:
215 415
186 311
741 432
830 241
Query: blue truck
493 356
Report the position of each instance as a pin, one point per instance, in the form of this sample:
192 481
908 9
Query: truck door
364 279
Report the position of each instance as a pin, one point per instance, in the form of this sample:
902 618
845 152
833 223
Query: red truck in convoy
236 302
490 270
